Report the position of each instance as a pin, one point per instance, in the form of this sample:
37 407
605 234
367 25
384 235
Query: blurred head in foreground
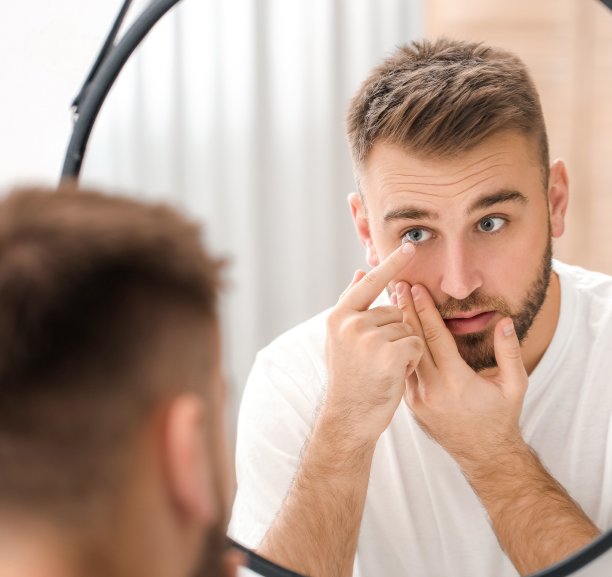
112 460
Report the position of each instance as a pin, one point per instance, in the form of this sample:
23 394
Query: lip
470 322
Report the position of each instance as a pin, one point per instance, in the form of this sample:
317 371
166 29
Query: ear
558 192
362 226
188 459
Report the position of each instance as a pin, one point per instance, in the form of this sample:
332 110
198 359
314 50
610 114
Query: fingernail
408 248
416 292
393 299
508 327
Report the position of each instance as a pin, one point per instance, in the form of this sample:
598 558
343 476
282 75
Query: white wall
46 49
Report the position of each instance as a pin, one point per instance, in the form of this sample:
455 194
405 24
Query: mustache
474 301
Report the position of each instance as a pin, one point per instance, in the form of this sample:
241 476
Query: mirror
242 118
592 561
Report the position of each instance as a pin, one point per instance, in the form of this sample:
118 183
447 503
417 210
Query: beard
477 349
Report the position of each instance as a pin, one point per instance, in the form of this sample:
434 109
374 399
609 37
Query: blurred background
233 111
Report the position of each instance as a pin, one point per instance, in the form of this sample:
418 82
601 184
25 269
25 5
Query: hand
370 353
473 416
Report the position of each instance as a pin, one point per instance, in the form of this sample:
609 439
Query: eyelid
417 227
494 215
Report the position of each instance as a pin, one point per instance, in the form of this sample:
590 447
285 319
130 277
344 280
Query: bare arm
475 417
536 522
317 529
370 352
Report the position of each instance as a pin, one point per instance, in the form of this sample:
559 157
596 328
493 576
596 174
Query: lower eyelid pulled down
406 238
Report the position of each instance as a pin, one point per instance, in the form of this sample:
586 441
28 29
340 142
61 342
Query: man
111 396
464 427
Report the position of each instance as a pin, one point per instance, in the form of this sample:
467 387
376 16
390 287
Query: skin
473 415
170 517
458 259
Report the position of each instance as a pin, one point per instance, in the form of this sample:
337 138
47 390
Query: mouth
471 322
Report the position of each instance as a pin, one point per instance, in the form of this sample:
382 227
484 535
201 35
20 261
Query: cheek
510 269
422 270
506 268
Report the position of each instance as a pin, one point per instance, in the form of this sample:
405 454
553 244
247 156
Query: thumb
508 355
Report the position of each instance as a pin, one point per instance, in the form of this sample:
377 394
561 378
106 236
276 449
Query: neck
51 547
34 549
543 328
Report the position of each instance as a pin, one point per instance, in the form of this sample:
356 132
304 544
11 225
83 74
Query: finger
411 394
360 296
359 274
379 316
410 316
438 338
395 331
410 348
508 356
384 315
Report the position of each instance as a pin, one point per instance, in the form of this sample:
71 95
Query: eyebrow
487 201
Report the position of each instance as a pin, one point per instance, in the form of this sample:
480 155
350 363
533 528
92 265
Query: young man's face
481 226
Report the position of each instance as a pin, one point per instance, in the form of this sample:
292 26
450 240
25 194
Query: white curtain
233 110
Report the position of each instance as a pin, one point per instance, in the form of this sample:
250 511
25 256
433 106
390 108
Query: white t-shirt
421 517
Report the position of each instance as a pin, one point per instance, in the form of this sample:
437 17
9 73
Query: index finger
361 295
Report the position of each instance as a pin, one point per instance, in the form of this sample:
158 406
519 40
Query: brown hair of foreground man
111 453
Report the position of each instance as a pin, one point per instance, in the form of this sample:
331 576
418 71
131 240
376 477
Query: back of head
90 286
440 98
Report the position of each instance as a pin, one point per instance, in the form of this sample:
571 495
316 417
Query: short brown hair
441 98
87 283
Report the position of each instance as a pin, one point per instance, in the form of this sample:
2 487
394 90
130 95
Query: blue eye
416 236
491 223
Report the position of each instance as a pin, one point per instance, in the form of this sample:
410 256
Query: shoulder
292 367
583 278
589 285
589 299
294 363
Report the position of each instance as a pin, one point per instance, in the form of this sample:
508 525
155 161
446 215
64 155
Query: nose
460 271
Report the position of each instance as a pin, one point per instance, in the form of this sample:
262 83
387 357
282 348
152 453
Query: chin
477 350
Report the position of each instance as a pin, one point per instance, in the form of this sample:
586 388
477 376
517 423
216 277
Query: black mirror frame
101 78
86 107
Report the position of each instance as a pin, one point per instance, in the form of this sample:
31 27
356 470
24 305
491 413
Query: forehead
506 162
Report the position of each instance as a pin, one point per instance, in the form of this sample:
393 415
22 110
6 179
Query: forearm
536 522
316 530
